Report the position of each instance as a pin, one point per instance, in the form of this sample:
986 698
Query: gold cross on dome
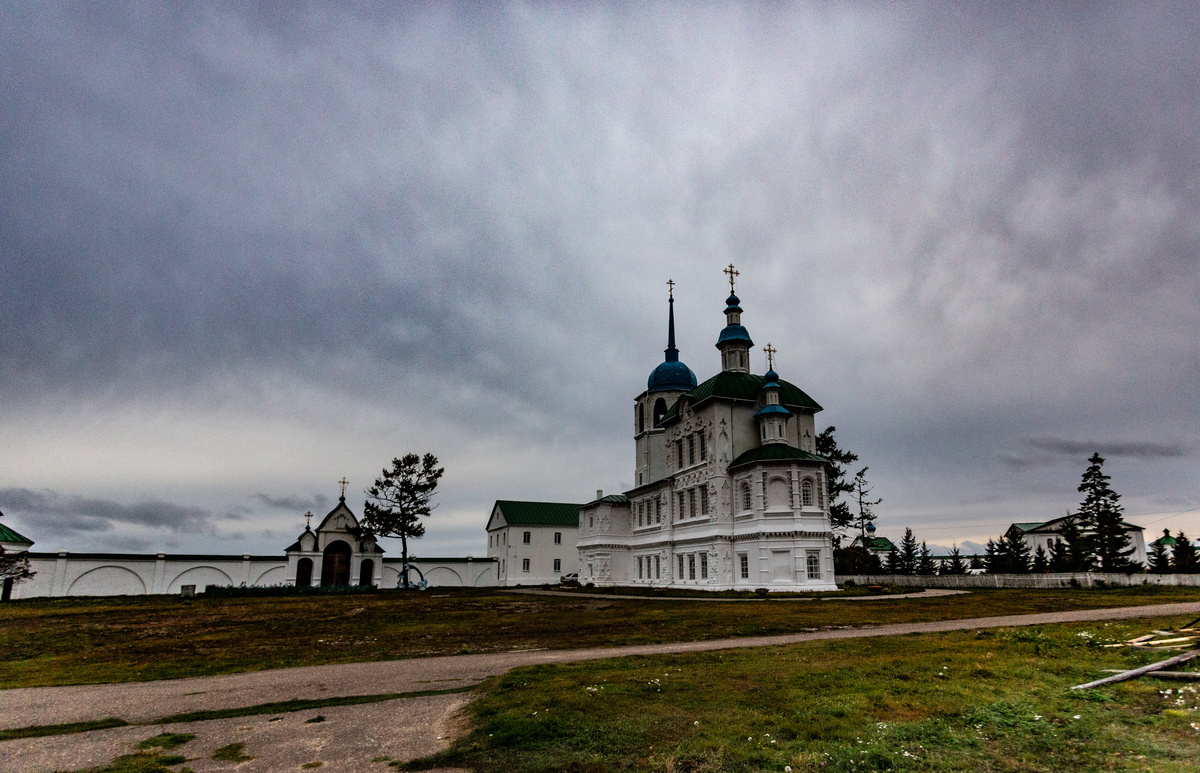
671 286
770 350
308 519
733 274
343 483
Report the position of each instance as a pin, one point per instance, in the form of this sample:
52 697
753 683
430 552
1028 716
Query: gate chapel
729 491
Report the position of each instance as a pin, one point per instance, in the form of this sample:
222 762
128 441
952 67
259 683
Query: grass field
76 641
980 701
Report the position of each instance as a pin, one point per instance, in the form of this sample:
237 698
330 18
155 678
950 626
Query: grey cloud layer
53 511
961 226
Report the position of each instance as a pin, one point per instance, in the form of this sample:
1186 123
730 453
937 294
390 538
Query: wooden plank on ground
1136 672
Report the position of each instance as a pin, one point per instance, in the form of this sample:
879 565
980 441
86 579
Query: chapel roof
8 535
1054 526
729 385
538 513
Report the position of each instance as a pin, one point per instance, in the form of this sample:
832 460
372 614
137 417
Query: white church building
729 492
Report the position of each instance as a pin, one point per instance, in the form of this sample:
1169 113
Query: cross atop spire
733 274
308 519
770 350
343 483
671 288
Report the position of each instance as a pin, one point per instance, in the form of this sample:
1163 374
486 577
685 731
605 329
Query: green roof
741 386
774 452
538 513
1027 526
880 543
8 535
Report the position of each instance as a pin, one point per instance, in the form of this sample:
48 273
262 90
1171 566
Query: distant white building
1040 534
729 491
533 542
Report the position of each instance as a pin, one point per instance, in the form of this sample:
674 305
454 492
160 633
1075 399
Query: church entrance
335 569
366 576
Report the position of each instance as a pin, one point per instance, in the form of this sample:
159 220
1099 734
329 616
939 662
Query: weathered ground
398 729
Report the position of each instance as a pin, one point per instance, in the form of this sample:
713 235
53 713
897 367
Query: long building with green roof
729 491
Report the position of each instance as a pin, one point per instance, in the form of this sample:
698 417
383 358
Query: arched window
641 417
746 501
806 493
660 410
304 569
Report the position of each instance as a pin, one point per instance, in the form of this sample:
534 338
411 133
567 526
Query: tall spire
671 374
672 354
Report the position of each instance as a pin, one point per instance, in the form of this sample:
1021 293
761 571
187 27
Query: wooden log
1136 672
1181 676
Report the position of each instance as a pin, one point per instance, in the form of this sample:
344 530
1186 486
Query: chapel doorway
335 568
366 575
304 573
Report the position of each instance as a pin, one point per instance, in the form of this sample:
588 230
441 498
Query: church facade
729 491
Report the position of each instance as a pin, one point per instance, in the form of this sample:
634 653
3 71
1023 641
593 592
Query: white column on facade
159 583
59 586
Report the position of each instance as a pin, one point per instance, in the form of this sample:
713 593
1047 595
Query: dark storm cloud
316 503
52 511
1044 450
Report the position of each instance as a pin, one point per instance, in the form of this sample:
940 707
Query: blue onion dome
732 304
773 409
734 333
672 374
771 380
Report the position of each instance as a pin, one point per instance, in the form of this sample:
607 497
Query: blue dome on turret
671 375
734 333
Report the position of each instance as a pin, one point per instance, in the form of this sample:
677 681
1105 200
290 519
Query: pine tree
993 561
955 565
1078 555
1060 556
840 517
1041 562
891 564
398 500
866 505
925 564
909 554
976 565
1184 555
1016 554
1101 511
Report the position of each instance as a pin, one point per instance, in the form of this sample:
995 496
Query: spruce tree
1077 547
993 560
1100 512
1041 562
955 565
976 565
891 564
1016 554
925 564
909 554
1184 555
1060 556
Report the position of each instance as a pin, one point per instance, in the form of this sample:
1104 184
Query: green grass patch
142 762
987 700
61 641
234 752
166 741
37 731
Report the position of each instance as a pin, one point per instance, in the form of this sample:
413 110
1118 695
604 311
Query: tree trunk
404 565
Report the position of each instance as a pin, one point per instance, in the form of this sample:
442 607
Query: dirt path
144 701
928 593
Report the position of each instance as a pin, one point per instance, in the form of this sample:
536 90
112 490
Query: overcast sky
246 250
